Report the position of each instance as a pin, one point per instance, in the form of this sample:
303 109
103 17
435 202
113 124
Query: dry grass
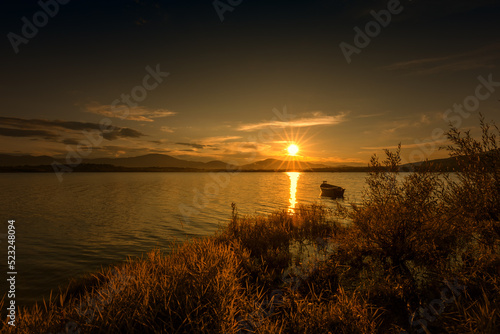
194 289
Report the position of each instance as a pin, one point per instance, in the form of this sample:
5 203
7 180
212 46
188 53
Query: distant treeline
446 165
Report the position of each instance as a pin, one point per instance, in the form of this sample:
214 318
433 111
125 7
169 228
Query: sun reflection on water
294 178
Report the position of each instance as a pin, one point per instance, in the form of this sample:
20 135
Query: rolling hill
148 160
159 161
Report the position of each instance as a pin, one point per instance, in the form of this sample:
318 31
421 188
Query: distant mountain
157 160
275 164
446 164
143 161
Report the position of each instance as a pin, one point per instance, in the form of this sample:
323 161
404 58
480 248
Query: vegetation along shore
419 255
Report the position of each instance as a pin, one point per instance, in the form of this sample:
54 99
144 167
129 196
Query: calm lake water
66 229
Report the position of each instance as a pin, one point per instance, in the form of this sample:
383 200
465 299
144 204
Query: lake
65 229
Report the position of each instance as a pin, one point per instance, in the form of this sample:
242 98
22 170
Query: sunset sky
171 77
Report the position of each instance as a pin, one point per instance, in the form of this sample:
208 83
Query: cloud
138 113
424 119
193 145
70 141
317 118
214 142
210 141
396 125
218 139
412 122
140 21
37 123
370 115
426 143
21 127
122 133
116 150
167 129
8 132
486 57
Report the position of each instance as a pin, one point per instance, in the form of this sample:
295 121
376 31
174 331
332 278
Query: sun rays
294 147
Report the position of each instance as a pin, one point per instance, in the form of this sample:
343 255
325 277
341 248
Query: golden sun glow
292 149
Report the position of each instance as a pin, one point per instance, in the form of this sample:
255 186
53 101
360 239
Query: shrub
475 195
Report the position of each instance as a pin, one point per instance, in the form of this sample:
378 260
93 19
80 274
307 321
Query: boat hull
332 191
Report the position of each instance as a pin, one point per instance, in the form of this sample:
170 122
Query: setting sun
293 149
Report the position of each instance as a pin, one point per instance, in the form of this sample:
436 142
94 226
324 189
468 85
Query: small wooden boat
331 190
